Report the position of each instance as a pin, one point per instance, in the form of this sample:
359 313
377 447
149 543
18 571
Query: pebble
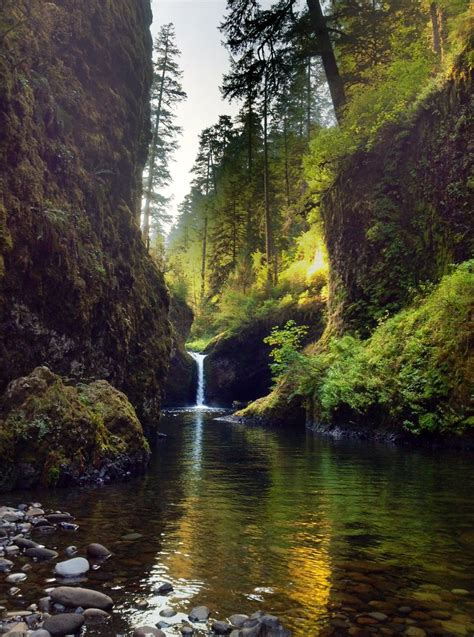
65 624
221 628
164 589
5 565
87 598
414 631
41 632
98 551
72 568
199 614
95 615
15 578
167 612
238 620
40 553
187 631
148 631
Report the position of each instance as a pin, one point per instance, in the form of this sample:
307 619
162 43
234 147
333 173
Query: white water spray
199 358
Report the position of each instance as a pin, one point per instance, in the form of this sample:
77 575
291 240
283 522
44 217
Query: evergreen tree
166 94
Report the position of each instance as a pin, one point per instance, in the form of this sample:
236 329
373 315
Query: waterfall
199 358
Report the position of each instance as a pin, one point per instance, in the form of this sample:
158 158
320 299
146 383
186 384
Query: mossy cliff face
77 289
399 214
237 364
180 389
54 434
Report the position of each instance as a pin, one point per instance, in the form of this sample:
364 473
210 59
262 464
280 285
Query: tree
166 94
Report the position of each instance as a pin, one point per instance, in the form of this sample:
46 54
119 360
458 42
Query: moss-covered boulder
55 434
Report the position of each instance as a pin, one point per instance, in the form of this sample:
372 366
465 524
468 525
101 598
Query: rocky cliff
180 389
77 289
399 214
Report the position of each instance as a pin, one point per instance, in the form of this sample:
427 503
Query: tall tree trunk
309 98
437 27
249 183
287 171
204 259
266 194
326 51
154 146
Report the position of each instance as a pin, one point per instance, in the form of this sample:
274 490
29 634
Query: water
313 530
199 358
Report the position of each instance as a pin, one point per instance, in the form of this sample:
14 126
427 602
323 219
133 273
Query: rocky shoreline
67 608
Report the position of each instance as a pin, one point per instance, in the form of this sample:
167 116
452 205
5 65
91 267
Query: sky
203 61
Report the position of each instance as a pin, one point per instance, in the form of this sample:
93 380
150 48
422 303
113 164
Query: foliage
285 342
415 370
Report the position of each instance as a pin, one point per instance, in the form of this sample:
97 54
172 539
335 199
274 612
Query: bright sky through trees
204 60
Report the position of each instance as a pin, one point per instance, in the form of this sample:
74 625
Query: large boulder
53 433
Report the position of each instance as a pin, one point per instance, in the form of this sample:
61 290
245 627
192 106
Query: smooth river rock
65 624
148 631
221 628
39 553
164 589
85 597
5 565
238 619
95 615
72 568
98 551
199 614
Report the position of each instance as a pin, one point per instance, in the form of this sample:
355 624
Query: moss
63 432
415 372
76 282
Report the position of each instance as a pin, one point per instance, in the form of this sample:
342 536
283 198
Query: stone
15 578
440 614
199 614
72 568
187 631
85 597
95 615
148 631
17 630
23 543
380 617
34 512
164 589
13 549
132 536
414 631
98 551
70 551
56 518
167 612
238 619
41 632
65 624
141 603
39 553
221 628
460 591
5 565
44 604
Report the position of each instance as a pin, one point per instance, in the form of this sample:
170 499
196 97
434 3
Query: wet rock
199 614
141 603
168 612
132 536
56 518
65 624
460 591
95 615
238 620
221 628
187 631
34 512
70 551
414 631
41 632
11 550
87 598
98 551
24 543
40 553
380 617
44 604
5 565
164 589
16 578
17 630
440 614
148 631
72 568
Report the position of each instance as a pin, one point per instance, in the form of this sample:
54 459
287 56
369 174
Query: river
308 528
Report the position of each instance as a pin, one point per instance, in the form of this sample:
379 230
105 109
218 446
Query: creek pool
319 532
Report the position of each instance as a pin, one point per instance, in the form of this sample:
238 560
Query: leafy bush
286 343
415 370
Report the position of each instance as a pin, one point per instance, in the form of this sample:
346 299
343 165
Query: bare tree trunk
154 145
326 51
